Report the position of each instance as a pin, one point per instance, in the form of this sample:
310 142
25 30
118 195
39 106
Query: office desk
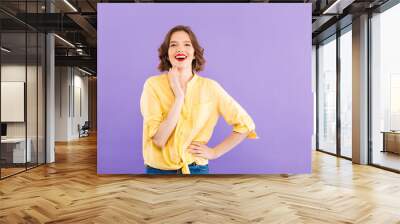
13 150
391 141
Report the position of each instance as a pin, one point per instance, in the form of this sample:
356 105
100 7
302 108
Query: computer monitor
3 129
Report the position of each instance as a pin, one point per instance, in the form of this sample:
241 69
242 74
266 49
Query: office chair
84 130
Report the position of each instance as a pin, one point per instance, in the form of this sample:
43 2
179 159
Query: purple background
260 53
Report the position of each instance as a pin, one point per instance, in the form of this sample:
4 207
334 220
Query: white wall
79 117
17 73
33 126
14 73
62 81
71 93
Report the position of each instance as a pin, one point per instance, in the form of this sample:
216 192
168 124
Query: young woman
180 110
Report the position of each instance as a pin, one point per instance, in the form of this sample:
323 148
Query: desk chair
84 130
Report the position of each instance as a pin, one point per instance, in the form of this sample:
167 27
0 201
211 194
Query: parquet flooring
10 171
70 191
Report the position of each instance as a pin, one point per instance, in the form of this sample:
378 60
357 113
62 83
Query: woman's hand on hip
201 150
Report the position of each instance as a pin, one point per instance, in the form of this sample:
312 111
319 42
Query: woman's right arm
168 125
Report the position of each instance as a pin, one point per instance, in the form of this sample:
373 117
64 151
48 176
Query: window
385 88
346 92
327 95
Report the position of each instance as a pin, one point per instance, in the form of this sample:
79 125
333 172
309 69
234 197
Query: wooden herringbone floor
70 191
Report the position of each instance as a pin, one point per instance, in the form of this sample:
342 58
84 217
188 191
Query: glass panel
22 88
41 98
327 96
386 89
314 87
13 86
31 100
346 93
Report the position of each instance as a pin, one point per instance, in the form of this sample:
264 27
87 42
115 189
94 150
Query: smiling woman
179 38
180 110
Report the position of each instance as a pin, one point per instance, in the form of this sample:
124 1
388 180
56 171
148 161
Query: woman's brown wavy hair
198 61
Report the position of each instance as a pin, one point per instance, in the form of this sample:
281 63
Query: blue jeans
194 169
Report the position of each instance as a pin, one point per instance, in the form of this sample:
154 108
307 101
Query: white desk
18 150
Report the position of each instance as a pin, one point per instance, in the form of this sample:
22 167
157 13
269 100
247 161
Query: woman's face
181 51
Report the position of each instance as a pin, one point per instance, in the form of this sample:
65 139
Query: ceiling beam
85 25
85 61
337 7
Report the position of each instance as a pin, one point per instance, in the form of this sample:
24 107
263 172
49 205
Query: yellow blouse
204 101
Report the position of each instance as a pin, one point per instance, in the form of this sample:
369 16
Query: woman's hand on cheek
175 83
202 150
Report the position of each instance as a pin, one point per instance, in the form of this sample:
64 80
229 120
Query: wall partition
121 145
22 88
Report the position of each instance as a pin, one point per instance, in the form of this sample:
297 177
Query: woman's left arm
236 116
233 113
202 150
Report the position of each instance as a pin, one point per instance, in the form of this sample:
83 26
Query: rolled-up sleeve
150 108
234 114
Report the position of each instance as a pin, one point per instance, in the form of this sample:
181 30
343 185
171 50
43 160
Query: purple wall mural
260 53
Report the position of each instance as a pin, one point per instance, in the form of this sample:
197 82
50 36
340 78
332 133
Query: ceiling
76 22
